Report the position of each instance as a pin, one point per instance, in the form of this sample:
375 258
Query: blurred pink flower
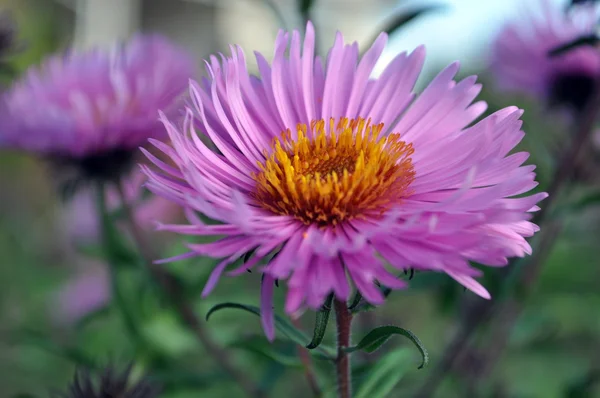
340 174
85 293
90 111
520 61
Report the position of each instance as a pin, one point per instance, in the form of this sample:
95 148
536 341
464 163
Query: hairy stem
342 362
184 309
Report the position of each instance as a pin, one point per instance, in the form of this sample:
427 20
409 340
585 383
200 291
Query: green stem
174 294
119 298
342 362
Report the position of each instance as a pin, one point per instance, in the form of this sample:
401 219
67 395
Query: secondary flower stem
174 293
342 362
309 372
479 312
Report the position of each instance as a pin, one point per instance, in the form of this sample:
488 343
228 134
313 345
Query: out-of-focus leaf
580 2
92 316
271 375
591 198
165 333
583 388
259 345
396 22
378 336
384 375
277 13
304 6
175 379
589 40
72 354
281 325
321 320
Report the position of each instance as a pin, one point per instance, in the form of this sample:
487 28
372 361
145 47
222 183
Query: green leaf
281 325
260 346
166 334
277 13
72 354
589 40
378 336
304 6
384 375
589 198
322 318
355 301
397 21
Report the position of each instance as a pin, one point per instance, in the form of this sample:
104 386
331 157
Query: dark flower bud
110 384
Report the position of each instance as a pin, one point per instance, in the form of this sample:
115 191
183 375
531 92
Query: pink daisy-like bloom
91 110
520 60
327 175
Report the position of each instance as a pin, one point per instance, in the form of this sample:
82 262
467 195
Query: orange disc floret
327 176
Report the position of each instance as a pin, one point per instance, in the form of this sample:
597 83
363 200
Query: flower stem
173 292
117 293
342 362
479 312
309 373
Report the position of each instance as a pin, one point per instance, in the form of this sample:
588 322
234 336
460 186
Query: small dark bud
110 383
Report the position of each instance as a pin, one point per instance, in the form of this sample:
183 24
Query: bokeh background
55 306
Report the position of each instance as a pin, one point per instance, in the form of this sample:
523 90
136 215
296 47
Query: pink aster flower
91 110
520 60
331 178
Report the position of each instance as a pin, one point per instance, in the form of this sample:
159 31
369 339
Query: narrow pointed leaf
378 336
355 301
277 13
396 22
589 40
384 375
304 7
322 318
281 325
260 346
591 198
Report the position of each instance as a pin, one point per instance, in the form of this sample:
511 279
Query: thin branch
309 372
478 312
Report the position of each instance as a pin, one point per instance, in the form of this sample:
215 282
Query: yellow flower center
327 176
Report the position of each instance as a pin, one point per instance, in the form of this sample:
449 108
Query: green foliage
381 379
273 352
281 324
322 318
397 21
378 336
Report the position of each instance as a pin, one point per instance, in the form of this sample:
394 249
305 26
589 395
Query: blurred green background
554 349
